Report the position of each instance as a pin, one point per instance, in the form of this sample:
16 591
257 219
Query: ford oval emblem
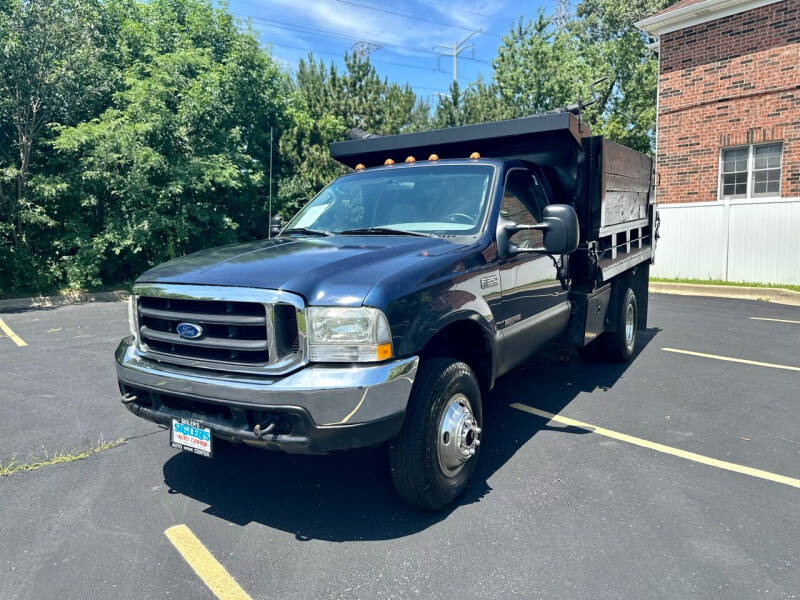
190 331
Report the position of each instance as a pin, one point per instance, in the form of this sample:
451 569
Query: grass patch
12 466
794 288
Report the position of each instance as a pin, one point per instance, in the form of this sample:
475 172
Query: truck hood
338 270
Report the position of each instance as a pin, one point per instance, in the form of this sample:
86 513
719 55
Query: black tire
416 466
621 344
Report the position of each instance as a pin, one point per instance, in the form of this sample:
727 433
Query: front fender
419 303
417 318
428 323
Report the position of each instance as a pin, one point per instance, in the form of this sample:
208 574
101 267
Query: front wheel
434 457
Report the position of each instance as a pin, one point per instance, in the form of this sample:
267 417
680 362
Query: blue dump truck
383 312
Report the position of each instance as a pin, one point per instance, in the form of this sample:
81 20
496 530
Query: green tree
178 162
539 68
50 71
325 104
478 103
611 46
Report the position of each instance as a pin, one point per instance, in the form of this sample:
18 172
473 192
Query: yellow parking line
14 337
731 359
213 574
776 320
713 462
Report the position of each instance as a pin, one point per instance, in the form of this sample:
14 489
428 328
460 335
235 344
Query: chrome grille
232 331
242 329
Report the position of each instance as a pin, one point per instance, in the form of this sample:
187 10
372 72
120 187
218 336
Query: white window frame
750 171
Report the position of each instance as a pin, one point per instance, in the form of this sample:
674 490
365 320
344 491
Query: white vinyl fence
733 240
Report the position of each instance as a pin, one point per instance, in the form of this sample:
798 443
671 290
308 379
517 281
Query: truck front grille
233 332
242 335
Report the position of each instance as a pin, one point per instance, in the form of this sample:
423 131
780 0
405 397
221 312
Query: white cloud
473 15
408 36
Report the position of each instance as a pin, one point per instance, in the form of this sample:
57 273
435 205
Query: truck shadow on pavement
349 496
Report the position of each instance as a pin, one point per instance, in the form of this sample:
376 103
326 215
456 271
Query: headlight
344 334
133 321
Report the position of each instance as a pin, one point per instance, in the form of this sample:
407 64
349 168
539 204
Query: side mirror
275 226
560 227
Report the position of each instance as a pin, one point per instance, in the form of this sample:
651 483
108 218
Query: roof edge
696 14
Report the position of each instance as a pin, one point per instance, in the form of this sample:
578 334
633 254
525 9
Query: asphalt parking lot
558 509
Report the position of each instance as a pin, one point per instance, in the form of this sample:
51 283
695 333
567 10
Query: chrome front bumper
333 397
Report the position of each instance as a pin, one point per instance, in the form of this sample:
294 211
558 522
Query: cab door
534 307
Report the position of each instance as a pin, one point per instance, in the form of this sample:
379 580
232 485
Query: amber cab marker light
388 162
360 167
411 159
433 157
474 156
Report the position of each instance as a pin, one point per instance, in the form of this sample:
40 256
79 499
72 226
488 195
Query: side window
523 202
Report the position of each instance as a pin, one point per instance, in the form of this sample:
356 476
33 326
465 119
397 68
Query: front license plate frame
191 436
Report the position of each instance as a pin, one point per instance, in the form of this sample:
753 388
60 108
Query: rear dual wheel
434 457
618 345
621 344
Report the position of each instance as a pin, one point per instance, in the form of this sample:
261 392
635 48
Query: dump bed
616 212
621 183
550 140
609 185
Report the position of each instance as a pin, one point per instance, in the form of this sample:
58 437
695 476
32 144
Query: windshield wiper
382 231
307 231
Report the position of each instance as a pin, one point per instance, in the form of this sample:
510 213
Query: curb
776 295
35 302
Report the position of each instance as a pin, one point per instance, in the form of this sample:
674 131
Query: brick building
728 99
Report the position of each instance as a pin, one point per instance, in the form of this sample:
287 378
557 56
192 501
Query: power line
415 17
460 8
333 34
385 62
413 86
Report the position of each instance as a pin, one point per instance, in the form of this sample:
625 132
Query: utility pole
456 49
563 11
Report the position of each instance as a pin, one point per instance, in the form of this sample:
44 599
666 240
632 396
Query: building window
751 171
767 170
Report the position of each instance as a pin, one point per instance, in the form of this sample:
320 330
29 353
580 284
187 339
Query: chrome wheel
458 435
630 326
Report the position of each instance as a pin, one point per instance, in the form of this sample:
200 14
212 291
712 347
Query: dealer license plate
189 435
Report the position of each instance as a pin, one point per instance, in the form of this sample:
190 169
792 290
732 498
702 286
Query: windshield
436 199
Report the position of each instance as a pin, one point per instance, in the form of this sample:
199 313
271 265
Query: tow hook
128 398
260 431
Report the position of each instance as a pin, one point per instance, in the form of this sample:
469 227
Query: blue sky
407 31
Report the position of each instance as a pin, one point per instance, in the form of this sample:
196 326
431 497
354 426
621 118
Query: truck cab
386 308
